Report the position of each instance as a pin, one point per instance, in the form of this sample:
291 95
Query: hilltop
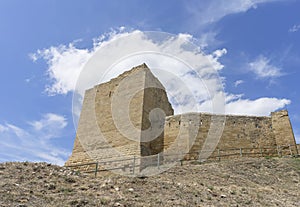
240 182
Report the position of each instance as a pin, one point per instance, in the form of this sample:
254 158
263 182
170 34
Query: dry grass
241 182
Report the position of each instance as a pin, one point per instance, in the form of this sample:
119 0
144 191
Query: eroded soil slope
241 182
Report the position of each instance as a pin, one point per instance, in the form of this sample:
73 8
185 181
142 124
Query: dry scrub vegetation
241 182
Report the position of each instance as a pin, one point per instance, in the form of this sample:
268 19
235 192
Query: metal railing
131 163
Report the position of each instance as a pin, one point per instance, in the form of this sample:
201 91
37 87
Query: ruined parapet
283 132
189 132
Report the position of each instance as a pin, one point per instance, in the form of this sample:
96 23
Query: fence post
241 153
290 148
96 169
277 147
219 158
158 160
260 150
133 165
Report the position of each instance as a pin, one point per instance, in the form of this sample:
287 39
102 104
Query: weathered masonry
131 116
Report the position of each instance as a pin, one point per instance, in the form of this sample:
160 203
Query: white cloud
297 135
17 131
3 128
233 97
174 54
297 138
260 107
220 53
204 14
208 39
184 69
33 56
208 12
238 82
50 125
50 121
33 143
30 79
295 28
65 63
263 68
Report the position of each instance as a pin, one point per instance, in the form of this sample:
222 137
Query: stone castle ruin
131 116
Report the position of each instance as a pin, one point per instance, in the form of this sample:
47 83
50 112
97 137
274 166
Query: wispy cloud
33 142
295 28
49 120
297 136
17 131
238 82
202 16
264 69
208 12
208 39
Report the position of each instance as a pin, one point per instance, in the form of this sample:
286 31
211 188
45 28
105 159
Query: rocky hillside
242 182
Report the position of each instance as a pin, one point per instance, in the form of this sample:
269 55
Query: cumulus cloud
260 107
220 53
184 69
264 69
295 28
32 142
65 63
117 52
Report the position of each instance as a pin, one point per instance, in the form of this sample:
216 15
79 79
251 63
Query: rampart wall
194 129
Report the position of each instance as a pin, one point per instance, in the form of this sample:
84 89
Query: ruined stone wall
190 131
283 130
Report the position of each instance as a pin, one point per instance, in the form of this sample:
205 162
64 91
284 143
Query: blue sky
43 41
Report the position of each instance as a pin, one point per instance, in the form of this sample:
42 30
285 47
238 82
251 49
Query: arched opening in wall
109 95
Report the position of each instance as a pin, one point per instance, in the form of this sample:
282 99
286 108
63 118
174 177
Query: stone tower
122 117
